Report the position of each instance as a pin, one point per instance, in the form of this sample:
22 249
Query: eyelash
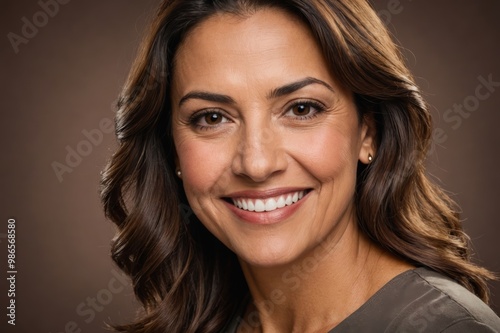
195 118
318 107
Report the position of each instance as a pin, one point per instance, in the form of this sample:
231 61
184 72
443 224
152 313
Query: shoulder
433 302
421 300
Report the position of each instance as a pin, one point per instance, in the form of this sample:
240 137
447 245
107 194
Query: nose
260 154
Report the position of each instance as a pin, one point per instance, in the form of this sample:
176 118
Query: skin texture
310 268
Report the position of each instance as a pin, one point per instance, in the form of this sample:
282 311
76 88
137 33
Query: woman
270 178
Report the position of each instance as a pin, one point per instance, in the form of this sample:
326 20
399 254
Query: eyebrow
207 96
297 85
275 93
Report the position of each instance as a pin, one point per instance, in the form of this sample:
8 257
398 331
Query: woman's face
267 140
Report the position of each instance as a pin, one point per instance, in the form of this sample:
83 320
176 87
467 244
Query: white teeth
269 204
259 206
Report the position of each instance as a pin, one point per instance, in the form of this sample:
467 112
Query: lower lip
266 218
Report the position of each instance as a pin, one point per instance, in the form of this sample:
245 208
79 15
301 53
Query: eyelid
317 105
196 116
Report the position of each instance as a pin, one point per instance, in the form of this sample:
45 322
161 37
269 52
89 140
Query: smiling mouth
268 204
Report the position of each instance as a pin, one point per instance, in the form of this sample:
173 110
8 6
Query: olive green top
418 300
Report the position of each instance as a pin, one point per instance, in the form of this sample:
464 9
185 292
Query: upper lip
264 194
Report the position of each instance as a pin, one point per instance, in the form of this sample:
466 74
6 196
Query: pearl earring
370 158
179 173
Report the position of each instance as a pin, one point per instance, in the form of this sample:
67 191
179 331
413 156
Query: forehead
268 45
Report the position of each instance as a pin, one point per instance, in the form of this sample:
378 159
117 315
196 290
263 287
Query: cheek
204 166
325 152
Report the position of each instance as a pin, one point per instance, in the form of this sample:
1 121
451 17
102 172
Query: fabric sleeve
469 326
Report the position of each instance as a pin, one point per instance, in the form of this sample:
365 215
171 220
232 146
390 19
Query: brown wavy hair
186 280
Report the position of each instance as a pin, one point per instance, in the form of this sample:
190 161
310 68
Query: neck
320 289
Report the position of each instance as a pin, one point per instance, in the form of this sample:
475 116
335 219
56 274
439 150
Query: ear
368 139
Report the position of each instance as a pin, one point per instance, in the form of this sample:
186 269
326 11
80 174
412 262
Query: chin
273 253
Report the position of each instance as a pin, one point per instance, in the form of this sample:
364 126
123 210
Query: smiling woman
230 87
296 135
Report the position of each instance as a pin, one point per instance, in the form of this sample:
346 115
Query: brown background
65 79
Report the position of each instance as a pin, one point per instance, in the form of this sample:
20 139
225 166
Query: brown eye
304 110
208 119
301 110
213 118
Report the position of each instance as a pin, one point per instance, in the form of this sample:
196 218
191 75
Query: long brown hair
186 280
